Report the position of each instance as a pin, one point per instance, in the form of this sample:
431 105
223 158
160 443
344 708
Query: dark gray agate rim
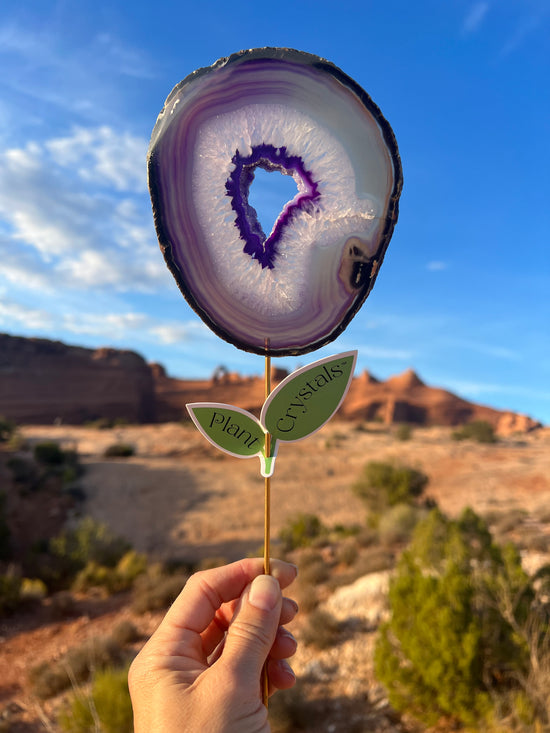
285 55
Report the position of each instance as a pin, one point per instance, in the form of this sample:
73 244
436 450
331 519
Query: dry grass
49 678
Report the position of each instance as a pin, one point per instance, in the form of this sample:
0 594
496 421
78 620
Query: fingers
284 645
280 675
214 634
253 630
288 611
201 615
206 591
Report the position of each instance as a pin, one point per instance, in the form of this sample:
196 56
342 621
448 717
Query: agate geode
291 290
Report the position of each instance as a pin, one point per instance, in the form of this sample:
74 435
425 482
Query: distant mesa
408 380
43 382
367 378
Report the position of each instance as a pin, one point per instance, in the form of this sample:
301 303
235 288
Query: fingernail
286 633
287 669
264 592
294 605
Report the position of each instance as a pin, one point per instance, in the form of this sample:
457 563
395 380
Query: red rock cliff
43 381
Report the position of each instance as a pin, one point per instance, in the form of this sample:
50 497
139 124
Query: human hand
200 671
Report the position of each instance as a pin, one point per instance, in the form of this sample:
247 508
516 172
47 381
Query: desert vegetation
468 633
105 706
7 429
478 430
460 640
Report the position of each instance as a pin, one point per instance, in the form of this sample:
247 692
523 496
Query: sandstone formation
45 381
400 399
406 399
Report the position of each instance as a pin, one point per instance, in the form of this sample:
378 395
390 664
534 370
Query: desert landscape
177 498
177 502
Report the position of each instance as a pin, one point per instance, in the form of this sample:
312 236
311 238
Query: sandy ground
180 497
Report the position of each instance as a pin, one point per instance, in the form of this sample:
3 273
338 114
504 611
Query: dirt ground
180 498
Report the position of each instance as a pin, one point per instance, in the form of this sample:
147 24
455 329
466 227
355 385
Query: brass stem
267 519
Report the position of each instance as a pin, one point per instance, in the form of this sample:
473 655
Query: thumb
252 631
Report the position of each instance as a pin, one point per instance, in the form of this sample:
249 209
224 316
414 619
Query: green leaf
304 401
229 428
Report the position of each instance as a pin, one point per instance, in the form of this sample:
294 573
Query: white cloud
474 389
103 156
47 49
525 28
107 327
75 211
475 17
487 349
176 332
379 352
12 314
436 266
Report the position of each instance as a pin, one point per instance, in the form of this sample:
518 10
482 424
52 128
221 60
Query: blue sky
462 296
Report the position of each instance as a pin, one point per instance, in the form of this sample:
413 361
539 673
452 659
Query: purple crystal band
256 244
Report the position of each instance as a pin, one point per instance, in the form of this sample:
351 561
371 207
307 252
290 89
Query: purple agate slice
296 288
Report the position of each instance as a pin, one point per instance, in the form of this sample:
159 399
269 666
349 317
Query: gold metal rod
267 492
267 520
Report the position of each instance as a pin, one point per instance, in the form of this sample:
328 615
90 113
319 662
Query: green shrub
7 429
23 470
48 453
108 706
478 430
448 647
89 541
5 547
95 576
113 580
68 553
72 468
10 593
403 432
119 450
49 460
396 525
33 589
301 531
156 590
130 566
382 485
